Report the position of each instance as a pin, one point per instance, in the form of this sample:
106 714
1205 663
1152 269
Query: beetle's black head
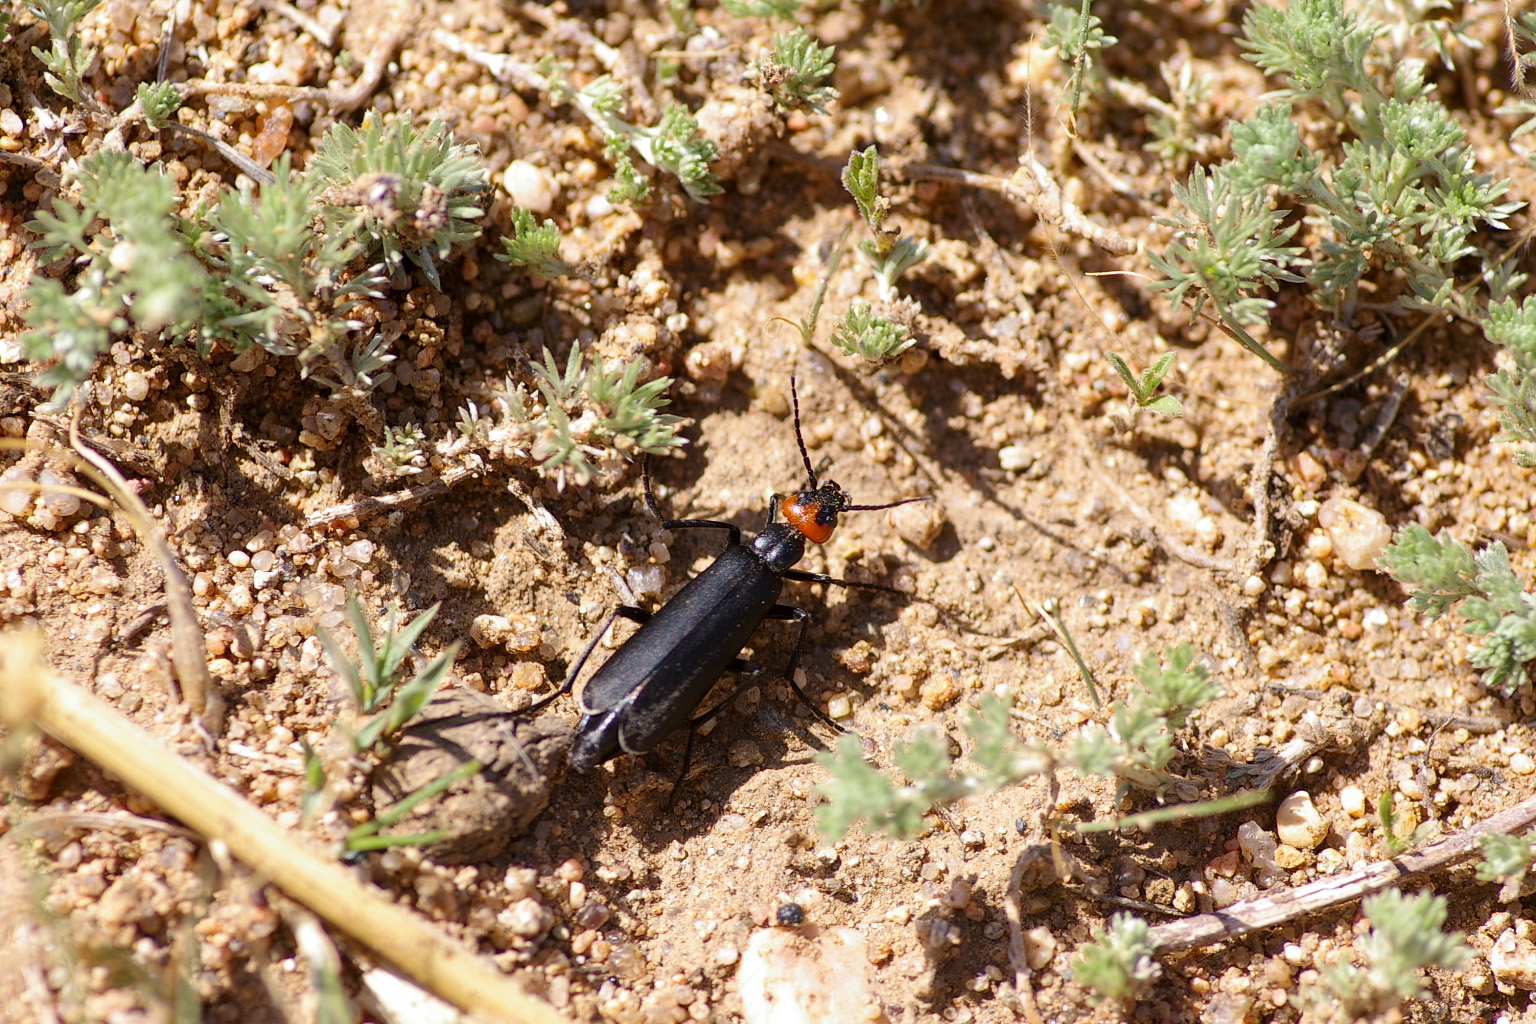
780 545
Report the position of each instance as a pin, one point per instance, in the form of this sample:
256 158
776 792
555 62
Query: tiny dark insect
655 681
789 915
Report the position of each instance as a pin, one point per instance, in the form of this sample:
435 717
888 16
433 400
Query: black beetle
658 677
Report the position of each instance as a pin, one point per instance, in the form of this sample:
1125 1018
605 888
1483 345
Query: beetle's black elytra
655 681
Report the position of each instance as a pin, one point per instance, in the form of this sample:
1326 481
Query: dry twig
1240 919
338 101
29 692
362 508
1033 186
188 647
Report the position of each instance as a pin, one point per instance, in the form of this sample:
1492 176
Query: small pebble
15 501
840 707
1513 962
493 630
241 600
1521 764
1015 458
1298 823
939 691
1039 947
1359 534
918 523
530 187
1288 858
527 918
135 386
823 979
744 754
1352 799
645 580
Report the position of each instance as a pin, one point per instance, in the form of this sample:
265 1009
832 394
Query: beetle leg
748 668
786 612
801 576
681 524
633 614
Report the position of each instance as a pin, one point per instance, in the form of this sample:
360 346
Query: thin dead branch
1240 919
188 647
31 693
363 508
337 101
1033 186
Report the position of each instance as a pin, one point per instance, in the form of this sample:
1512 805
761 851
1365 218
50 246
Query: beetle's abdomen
654 681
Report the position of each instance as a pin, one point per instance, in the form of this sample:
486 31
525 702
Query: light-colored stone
807 975
918 523
530 186
1359 534
1513 963
1288 858
1298 823
1352 799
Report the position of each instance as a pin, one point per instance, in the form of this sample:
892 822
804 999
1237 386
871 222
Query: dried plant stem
29 692
396 501
1033 186
335 100
383 504
188 646
1240 919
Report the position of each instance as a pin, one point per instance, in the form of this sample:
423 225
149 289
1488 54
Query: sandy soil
1143 529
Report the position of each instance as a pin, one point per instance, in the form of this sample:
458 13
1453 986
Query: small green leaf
1125 373
861 177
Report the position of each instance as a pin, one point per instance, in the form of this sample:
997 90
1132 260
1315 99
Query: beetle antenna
892 504
805 456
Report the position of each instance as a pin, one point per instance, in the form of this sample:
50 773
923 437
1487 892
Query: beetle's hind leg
751 670
636 615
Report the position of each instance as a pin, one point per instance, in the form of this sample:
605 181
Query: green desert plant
1506 859
276 266
589 413
887 254
1443 575
1399 202
859 332
1144 387
1076 33
386 700
533 245
66 60
409 194
1135 748
1405 937
1116 964
673 145
793 72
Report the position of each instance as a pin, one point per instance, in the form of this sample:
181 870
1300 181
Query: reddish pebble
272 136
